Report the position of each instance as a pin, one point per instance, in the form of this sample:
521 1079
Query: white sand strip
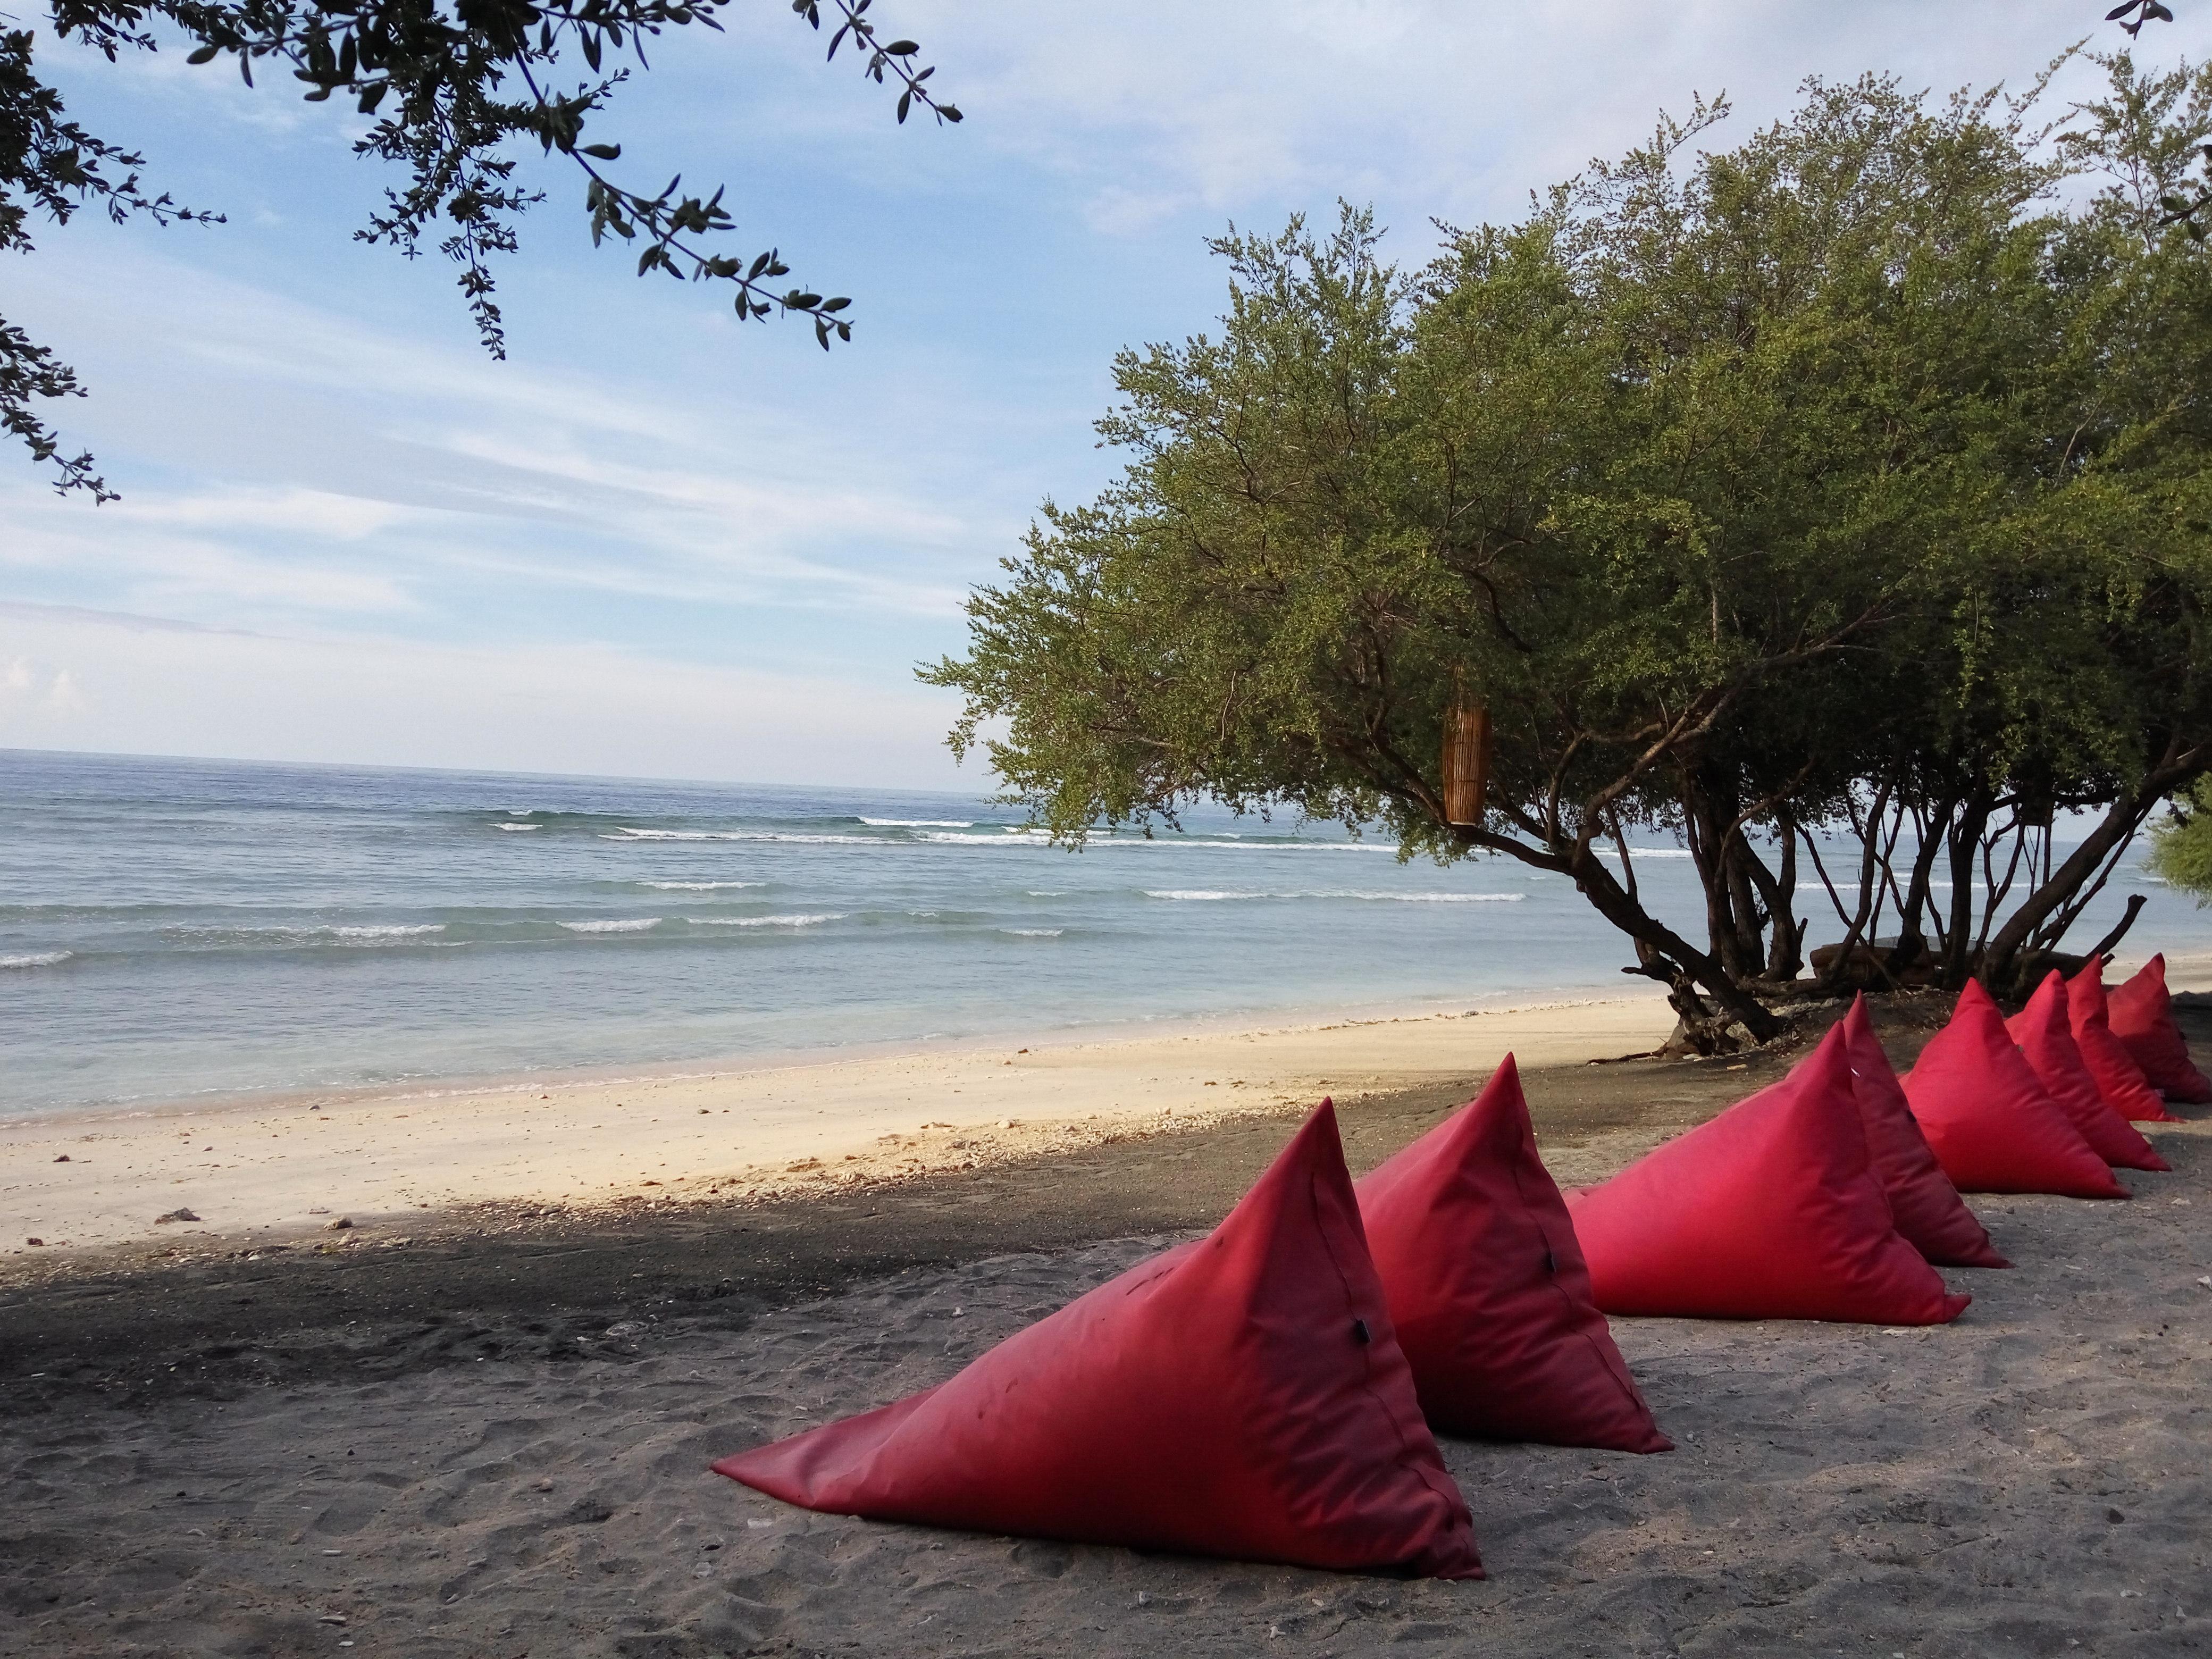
277 1168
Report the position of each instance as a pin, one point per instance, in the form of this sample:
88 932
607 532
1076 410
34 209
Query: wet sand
493 1439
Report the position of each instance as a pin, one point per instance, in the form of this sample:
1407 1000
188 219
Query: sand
277 1170
488 1445
2031 1478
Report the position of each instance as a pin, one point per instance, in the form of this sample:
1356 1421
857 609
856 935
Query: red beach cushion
1993 1127
2046 1038
1243 1396
1487 1288
2141 1012
1924 1205
1771 1211
2118 1079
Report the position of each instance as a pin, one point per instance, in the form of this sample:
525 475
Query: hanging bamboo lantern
1466 761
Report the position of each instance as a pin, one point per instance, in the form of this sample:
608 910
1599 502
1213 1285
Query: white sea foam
518 826
1843 886
294 933
919 823
1033 932
629 925
1014 837
815 921
696 886
623 833
1215 895
36 959
1425 898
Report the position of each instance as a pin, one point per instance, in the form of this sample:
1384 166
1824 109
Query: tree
2070 652
456 86
1748 493
2181 845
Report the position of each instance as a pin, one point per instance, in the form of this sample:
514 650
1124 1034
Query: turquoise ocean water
177 928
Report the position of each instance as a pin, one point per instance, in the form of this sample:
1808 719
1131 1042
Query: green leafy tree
1747 492
2181 844
458 89
2065 649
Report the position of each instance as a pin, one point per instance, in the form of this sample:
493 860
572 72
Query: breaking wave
813 920
1211 895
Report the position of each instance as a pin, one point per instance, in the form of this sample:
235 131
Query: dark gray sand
494 1443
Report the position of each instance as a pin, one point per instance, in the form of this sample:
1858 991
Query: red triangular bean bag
1771 1211
1924 1204
1243 1396
1993 1127
2046 1038
1487 1289
2118 1079
2140 1013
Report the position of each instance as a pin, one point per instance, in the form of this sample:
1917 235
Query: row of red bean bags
1267 1393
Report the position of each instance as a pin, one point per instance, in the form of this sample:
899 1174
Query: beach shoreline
268 1169
185 1177
1225 1023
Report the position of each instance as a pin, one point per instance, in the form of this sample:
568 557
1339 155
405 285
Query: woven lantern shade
1467 762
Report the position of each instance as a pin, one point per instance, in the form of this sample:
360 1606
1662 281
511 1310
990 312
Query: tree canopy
456 88
1852 477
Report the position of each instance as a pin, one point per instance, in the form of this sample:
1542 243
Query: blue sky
656 543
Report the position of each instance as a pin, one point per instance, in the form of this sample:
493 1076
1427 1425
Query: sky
656 541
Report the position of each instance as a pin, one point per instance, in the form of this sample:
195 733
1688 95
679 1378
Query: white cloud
316 513
1117 211
333 467
192 552
63 697
1430 107
34 694
141 686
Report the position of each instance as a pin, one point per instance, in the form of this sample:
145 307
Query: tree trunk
1785 949
1670 951
1701 829
1736 857
1918 889
1732 926
1965 838
1840 970
2121 819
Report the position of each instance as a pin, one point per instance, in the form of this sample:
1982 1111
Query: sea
176 929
